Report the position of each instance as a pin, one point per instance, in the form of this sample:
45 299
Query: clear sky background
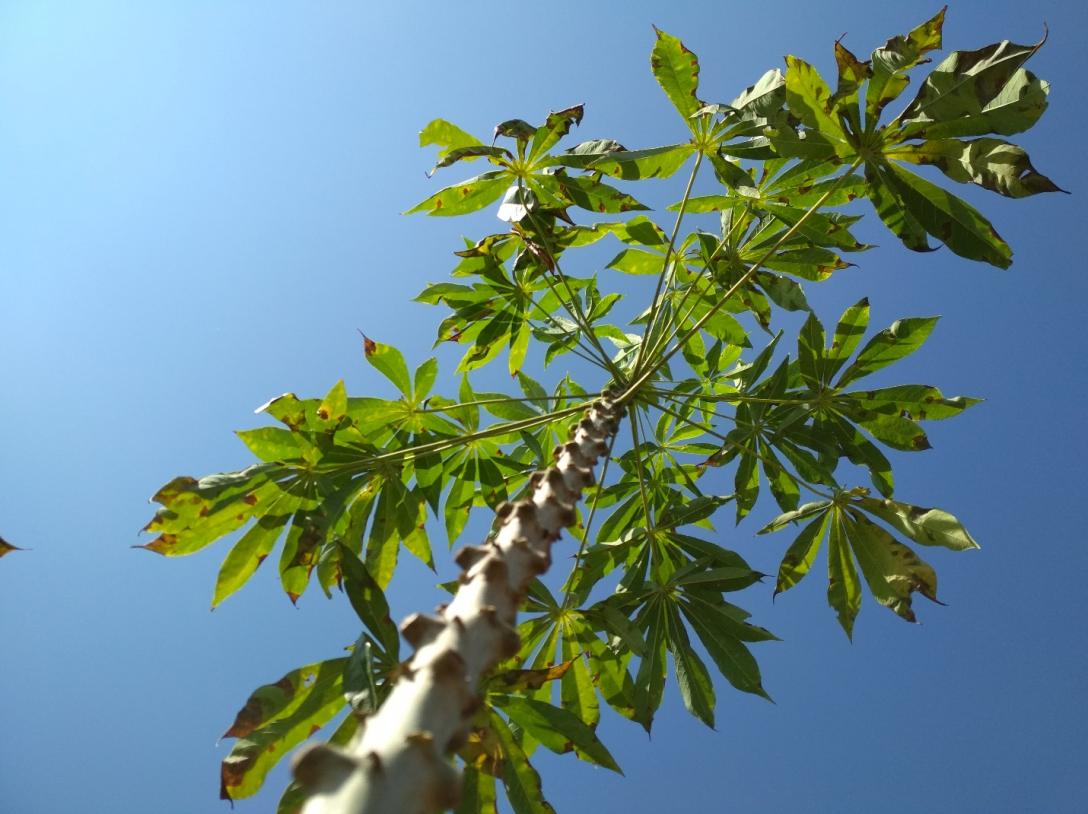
198 207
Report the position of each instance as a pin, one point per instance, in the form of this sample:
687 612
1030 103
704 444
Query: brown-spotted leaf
7 548
990 163
892 571
195 513
517 680
276 718
677 71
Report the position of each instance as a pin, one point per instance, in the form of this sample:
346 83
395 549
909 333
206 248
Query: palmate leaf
969 94
891 570
687 580
533 189
316 488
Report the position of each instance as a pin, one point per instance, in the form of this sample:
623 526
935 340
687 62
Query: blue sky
199 206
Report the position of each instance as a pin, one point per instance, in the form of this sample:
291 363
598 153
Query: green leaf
809 99
971 93
764 97
793 516
477 793
335 404
634 165
843 588
521 780
556 126
892 571
810 352
733 659
497 155
799 557
301 550
272 444
424 379
558 729
848 333
859 450
196 513
470 195
988 162
915 401
592 195
276 718
448 136
247 554
892 210
952 220
895 431
388 361
576 686
369 602
932 527
636 261
891 62
692 678
677 71
896 342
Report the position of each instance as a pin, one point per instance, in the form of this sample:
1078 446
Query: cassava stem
399 762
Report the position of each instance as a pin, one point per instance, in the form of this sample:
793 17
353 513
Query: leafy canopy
722 410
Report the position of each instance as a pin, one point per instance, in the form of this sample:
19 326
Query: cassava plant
700 386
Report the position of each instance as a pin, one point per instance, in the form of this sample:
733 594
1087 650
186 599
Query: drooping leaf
559 729
369 601
520 779
843 587
892 571
933 527
275 719
988 162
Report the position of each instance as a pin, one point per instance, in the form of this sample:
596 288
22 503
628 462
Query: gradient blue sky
199 205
